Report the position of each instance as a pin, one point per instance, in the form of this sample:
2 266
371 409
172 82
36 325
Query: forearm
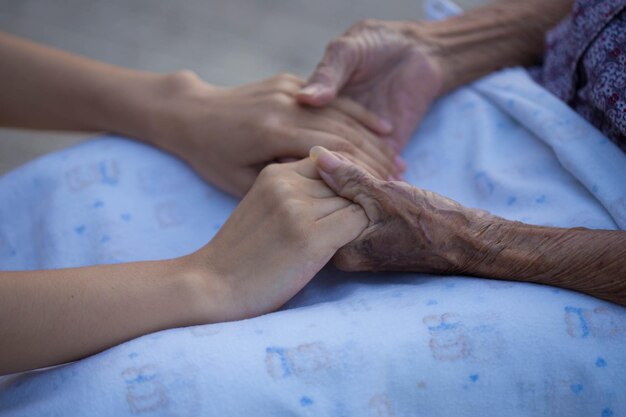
584 260
45 88
55 316
483 40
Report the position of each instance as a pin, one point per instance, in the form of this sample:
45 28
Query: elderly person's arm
416 230
226 134
397 68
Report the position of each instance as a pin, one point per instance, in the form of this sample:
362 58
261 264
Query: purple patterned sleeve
585 64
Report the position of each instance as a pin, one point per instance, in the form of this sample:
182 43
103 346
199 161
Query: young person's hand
229 134
283 232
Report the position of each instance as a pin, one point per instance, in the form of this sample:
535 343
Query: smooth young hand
282 233
229 134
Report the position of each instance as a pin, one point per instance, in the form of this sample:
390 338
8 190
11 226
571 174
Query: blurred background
226 42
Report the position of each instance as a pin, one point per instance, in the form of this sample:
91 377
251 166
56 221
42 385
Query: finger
354 160
316 188
299 143
326 206
365 160
305 168
366 141
309 178
236 183
342 226
331 74
362 115
348 180
365 154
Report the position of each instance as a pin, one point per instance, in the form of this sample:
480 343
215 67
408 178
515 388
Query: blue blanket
348 344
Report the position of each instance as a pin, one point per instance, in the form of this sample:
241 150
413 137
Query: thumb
330 75
348 180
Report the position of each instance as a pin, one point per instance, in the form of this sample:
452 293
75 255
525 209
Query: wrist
155 108
211 300
510 250
428 40
478 42
487 240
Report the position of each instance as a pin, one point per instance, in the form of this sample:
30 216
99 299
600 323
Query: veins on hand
410 230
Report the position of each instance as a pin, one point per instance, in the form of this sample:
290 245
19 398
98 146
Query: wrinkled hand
388 67
229 134
409 229
280 235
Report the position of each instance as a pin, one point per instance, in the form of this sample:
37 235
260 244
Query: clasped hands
354 115
317 165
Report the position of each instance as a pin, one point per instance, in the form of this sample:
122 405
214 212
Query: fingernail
400 162
384 125
324 159
310 90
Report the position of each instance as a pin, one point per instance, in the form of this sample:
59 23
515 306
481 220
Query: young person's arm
54 316
281 234
211 128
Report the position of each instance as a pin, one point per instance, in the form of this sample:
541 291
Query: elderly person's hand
411 229
389 67
229 134
397 68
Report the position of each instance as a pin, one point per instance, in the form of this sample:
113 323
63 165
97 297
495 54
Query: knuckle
347 259
357 139
287 76
270 124
186 75
270 174
365 24
344 146
277 96
339 46
282 190
280 98
355 180
182 80
286 82
324 72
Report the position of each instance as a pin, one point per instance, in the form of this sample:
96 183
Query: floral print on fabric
585 64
